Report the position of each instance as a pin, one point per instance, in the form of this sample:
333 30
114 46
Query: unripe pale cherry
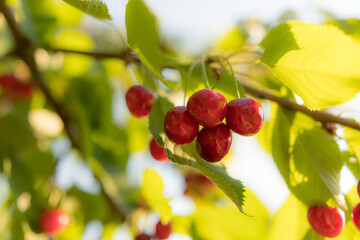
355 215
53 222
163 231
139 100
213 144
142 236
179 126
245 116
325 220
207 107
158 151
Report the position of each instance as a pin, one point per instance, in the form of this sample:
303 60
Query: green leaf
152 189
290 221
142 37
214 220
187 155
17 231
232 40
353 138
95 8
307 156
317 62
40 21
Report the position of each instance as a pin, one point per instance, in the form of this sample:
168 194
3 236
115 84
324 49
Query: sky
197 22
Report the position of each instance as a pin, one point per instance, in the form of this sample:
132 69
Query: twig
320 116
127 55
25 50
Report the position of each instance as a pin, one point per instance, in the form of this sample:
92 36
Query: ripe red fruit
142 236
245 116
12 86
179 126
197 185
158 151
163 231
213 144
325 220
355 215
139 100
54 221
207 107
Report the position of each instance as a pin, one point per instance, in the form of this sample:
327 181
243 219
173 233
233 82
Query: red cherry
14 87
139 100
163 231
213 144
358 188
207 107
355 215
205 181
142 236
8 81
157 151
245 116
325 220
179 126
197 185
54 221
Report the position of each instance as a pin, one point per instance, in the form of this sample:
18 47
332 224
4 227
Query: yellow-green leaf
318 62
353 138
233 40
290 221
95 8
142 37
152 190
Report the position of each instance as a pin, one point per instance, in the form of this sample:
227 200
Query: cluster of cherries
162 231
207 108
328 222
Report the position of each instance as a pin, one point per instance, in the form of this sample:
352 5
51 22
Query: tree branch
25 50
320 116
127 55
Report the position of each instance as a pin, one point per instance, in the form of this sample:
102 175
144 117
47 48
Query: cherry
54 221
142 236
207 107
213 144
197 184
325 220
179 126
158 151
139 100
355 215
14 87
163 231
358 188
245 116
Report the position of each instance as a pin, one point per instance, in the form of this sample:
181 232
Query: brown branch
25 50
127 55
320 116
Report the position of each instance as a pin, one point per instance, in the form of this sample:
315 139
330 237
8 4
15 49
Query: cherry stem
204 71
191 69
239 90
